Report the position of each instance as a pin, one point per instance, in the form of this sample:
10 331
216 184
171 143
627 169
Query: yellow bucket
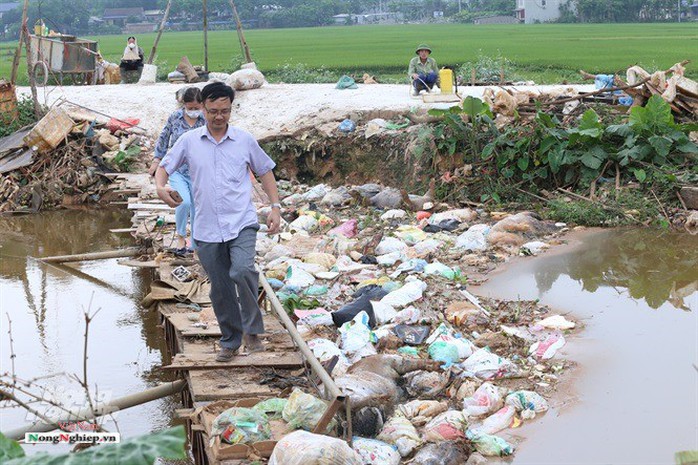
446 78
39 27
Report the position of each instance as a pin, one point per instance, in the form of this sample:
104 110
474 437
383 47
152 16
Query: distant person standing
219 157
423 70
131 61
189 117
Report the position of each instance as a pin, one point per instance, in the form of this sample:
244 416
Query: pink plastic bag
120 124
347 229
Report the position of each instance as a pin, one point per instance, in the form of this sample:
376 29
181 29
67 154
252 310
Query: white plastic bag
316 193
373 452
486 365
450 425
556 322
528 403
297 277
246 79
390 244
393 214
486 399
419 412
304 448
304 223
546 349
407 294
401 433
475 238
499 420
356 335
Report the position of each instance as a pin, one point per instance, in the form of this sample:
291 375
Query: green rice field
546 53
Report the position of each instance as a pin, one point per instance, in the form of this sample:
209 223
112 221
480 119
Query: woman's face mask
131 45
193 114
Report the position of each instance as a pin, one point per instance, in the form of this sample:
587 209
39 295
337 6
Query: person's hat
423 47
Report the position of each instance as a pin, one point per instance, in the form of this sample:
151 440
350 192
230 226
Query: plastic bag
484 401
409 315
499 420
325 260
362 303
414 264
384 313
401 433
389 259
373 452
407 294
298 277
425 384
546 349
389 245
303 448
443 453
426 247
412 335
410 234
442 270
463 215
528 403
475 238
448 348
356 334
316 193
488 445
240 425
486 365
273 406
121 124
347 229
315 290
534 247
449 425
246 79
393 214
558 322
305 223
419 412
304 411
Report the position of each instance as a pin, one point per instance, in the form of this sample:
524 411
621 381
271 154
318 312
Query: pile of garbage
59 161
378 283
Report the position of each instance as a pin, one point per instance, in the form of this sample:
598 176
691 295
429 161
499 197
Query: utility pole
205 37
678 9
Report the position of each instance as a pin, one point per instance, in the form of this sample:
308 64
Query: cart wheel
41 73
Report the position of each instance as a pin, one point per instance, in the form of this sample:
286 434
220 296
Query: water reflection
46 304
652 265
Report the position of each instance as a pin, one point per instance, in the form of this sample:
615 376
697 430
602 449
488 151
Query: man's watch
276 205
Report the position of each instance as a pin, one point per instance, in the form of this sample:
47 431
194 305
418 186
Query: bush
26 117
300 73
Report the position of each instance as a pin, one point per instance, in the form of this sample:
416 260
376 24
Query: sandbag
304 411
401 433
303 448
246 79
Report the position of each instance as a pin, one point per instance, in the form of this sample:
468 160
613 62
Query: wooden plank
440 98
227 384
139 264
150 206
260 359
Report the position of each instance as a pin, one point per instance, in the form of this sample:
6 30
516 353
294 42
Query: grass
547 53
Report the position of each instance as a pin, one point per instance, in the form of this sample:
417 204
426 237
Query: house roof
5 7
116 13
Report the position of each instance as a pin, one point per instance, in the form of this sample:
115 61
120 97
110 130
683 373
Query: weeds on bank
25 108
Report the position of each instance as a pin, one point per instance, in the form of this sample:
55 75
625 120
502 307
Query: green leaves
594 157
473 106
640 175
654 117
9 449
141 450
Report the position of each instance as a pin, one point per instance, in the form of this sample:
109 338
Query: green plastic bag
345 82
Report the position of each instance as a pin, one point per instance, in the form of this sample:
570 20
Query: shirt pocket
234 172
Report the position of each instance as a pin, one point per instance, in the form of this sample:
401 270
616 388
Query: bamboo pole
205 37
18 51
30 71
241 35
122 403
157 38
121 253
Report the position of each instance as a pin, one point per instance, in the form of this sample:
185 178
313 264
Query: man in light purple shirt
225 230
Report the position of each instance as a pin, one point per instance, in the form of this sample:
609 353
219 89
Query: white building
537 11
